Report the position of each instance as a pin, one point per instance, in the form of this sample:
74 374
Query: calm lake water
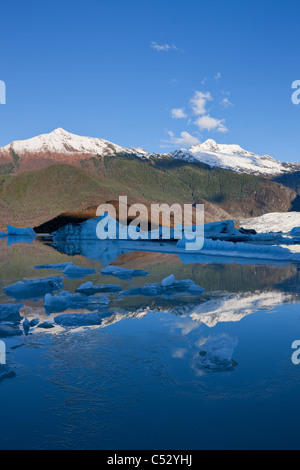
139 381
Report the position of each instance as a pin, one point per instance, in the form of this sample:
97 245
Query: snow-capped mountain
233 157
62 142
61 146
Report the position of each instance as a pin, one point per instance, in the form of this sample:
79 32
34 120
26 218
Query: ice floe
217 352
7 331
90 289
34 289
10 313
168 287
77 272
123 273
21 232
64 301
54 267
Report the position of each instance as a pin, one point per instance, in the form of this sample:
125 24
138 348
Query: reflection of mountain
211 310
237 306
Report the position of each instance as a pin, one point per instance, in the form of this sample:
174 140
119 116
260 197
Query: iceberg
54 267
217 352
76 272
10 313
81 319
47 325
35 289
169 286
20 232
123 273
168 281
90 289
64 301
7 331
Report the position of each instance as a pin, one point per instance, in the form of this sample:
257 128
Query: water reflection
153 366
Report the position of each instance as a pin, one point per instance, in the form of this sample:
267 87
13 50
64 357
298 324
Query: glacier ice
123 273
90 289
10 313
20 232
64 301
217 352
7 331
168 281
169 286
35 289
46 325
54 267
77 272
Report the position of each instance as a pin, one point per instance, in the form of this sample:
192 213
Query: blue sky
158 74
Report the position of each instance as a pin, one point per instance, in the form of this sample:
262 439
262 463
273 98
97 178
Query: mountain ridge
61 146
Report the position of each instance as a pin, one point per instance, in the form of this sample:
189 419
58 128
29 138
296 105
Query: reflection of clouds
187 326
179 353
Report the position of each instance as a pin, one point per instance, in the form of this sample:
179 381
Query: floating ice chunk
220 228
90 289
196 290
152 290
64 301
81 319
10 313
54 267
7 331
168 281
20 232
76 272
171 287
26 326
47 325
35 289
123 273
217 352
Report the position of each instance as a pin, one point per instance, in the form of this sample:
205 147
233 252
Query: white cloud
163 47
199 102
218 76
178 113
208 123
185 139
226 103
